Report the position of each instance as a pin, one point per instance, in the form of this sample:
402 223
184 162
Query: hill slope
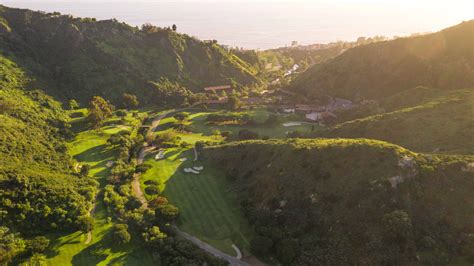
440 60
79 58
419 119
38 191
352 201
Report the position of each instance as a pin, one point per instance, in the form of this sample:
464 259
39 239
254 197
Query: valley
146 146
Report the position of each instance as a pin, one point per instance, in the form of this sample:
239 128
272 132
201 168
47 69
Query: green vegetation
109 58
265 123
428 121
71 182
90 147
342 201
39 192
374 71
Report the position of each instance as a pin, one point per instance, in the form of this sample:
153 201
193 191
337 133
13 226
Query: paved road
139 194
211 250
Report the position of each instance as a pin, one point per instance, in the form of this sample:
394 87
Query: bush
85 170
261 245
77 115
152 190
121 113
151 183
38 244
246 134
120 234
181 116
142 168
168 212
85 223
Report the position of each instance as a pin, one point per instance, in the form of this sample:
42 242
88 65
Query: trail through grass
90 147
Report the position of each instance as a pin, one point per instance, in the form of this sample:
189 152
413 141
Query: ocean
266 25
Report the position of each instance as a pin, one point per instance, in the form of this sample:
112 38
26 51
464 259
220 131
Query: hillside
81 57
420 119
38 192
442 60
351 201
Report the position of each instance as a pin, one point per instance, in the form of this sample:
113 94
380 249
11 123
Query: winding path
212 250
136 188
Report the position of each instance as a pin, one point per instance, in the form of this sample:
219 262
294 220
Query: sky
262 24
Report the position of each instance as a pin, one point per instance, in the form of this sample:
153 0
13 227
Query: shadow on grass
100 151
92 255
163 126
172 153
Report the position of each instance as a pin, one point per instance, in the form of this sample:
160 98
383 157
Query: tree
226 134
85 170
86 223
99 111
73 104
37 260
11 245
397 226
152 190
199 146
157 202
174 27
272 119
287 250
246 134
216 133
154 235
166 137
168 212
261 245
120 234
129 101
38 244
181 116
234 103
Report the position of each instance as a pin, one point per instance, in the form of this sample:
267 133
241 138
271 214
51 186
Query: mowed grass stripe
218 210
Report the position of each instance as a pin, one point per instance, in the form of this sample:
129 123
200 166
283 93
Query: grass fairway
198 122
90 147
209 210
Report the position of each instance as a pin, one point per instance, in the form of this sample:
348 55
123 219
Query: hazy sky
270 23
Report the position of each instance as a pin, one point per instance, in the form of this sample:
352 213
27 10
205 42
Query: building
306 108
315 116
324 117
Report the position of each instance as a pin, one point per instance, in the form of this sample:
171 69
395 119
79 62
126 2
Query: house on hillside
307 108
322 117
338 104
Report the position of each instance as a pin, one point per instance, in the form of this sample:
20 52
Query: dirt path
212 250
136 188
237 251
89 234
195 154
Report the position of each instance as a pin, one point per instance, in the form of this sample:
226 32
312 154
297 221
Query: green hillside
81 57
419 119
38 192
351 201
440 60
